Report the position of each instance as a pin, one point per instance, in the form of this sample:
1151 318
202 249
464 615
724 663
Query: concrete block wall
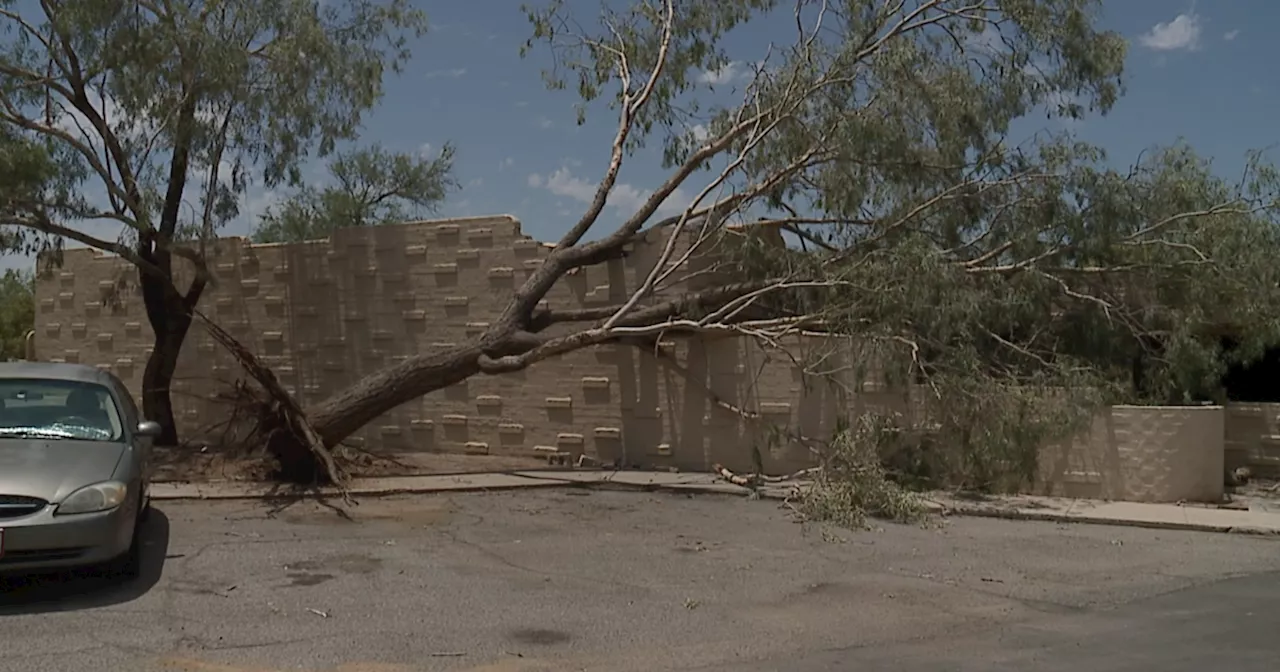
1253 437
326 313
1141 454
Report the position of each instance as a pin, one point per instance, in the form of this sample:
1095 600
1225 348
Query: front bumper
43 541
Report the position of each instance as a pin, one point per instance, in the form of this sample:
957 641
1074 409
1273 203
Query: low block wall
1253 438
1141 454
325 313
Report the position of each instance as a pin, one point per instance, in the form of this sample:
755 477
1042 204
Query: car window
59 409
128 408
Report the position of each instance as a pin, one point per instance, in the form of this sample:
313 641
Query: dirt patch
209 464
204 465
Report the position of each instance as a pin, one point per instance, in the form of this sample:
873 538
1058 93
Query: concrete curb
1054 517
499 482
259 491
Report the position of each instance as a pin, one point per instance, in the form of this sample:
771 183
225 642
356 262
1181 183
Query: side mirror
149 428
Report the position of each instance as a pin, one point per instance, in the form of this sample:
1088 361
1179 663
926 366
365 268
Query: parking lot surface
600 580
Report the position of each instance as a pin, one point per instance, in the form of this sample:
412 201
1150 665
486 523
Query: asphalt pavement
596 580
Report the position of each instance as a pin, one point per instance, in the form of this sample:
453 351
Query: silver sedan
74 462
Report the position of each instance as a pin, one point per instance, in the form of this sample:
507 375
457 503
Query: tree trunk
157 377
170 316
343 415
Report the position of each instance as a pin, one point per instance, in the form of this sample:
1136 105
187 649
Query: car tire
129 564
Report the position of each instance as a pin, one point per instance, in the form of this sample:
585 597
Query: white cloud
506 163
700 132
726 74
424 150
522 103
452 73
1182 33
1231 35
625 198
477 182
545 123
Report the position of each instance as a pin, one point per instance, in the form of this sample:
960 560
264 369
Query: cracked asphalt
621 581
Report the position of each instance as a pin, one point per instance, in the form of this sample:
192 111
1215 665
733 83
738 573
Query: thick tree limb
42 223
700 301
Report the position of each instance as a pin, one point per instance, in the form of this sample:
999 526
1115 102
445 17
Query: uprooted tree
134 127
1013 280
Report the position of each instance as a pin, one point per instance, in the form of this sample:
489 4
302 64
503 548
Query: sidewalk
1020 507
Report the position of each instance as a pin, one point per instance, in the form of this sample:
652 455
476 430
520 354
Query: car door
139 445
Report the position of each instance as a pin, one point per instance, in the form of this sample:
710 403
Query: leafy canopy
370 187
1012 284
17 312
146 103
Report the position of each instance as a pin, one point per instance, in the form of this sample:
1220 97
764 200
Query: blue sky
1197 72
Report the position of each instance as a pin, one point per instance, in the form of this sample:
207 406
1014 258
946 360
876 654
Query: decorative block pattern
559 402
1142 454
326 313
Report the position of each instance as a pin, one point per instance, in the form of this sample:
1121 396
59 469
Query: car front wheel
129 563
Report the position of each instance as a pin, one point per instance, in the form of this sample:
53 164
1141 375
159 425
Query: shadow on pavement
80 589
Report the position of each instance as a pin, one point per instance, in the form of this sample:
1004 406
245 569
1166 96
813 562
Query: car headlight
94 498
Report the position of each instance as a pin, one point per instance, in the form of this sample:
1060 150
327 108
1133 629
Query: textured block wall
325 313
1253 437
1141 454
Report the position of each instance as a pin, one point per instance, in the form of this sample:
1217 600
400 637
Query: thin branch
630 107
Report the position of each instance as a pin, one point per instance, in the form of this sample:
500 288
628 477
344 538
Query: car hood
51 470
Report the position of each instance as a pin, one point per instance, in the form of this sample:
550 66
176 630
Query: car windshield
58 409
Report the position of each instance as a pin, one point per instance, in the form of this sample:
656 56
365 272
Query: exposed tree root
756 480
289 436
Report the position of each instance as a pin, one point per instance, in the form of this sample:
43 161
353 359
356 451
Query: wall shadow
73 590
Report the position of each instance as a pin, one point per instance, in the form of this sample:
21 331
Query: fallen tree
1017 282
